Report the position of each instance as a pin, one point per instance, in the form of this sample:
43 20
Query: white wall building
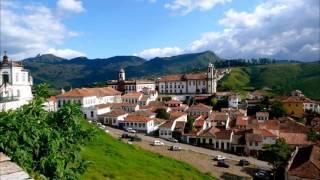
195 83
16 83
127 86
89 98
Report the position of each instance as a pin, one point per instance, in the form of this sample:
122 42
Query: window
5 78
92 114
59 103
23 76
257 144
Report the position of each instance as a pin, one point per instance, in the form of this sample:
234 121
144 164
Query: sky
281 29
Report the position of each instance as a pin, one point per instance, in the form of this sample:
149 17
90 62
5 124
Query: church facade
127 86
16 84
193 83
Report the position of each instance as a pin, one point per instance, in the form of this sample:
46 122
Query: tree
313 135
277 109
189 124
162 114
41 91
276 154
45 144
213 101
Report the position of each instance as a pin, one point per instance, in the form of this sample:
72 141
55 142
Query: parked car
172 140
175 148
157 143
135 138
263 175
125 136
221 163
130 130
244 162
219 157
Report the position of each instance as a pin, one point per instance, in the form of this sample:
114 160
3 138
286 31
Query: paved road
261 164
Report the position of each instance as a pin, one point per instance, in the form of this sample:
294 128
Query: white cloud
74 6
187 6
159 52
29 29
64 53
282 29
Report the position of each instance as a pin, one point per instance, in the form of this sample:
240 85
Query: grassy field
281 78
113 159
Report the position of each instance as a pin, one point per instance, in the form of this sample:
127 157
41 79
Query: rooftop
83 92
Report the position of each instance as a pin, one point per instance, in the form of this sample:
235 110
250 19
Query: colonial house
15 85
126 86
132 97
219 119
195 83
176 105
304 164
199 109
215 138
141 123
89 98
256 139
113 118
167 129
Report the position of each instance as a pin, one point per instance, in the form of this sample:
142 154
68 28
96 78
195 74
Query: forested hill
81 71
281 78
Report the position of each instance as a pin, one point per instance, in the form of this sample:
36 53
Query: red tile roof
219 116
176 114
200 107
133 95
115 113
183 77
295 138
306 163
241 121
137 118
217 133
104 91
102 106
167 124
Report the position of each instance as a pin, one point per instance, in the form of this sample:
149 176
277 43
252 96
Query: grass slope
282 78
113 159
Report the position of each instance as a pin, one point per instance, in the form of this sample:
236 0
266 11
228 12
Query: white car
130 130
157 143
219 157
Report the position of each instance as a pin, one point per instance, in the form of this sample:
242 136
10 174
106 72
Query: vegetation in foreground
112 159
281 78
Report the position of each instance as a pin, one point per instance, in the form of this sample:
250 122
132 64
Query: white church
193 83
16 85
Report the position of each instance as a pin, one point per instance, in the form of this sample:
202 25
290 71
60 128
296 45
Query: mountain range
81 71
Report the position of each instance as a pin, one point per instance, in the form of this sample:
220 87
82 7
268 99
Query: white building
89 98
233 101
16 83
141 123
127 86
195 83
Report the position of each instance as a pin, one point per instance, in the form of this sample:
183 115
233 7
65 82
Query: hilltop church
15 85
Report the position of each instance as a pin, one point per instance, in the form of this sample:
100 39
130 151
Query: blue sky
151 28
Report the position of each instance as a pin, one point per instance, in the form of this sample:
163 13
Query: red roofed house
140 123
166 130
199 109
219 119
215 138
88 98
256 139
242 122
113 118
304 164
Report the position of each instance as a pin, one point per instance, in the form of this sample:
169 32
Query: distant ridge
81 71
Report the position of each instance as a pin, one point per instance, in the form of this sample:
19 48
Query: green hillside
81 71
112 159
281 78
